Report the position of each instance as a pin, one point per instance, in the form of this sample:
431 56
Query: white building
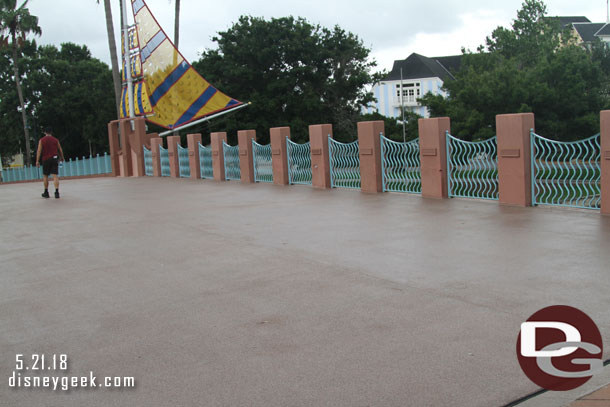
420 75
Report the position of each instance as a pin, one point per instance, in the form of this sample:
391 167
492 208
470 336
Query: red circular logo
559 348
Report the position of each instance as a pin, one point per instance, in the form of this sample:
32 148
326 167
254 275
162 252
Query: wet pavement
224 294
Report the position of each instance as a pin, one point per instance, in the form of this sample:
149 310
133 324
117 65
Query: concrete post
156 158
113 142
125 163
605 161
172 152
279 155
433 156
246 165
137 139
514 158
193 141
218 159
320 164
369 144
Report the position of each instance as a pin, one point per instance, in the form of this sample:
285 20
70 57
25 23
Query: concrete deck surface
223 294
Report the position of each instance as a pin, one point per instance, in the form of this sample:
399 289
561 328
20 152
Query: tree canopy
531 67
294 73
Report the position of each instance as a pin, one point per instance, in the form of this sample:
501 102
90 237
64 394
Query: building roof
605 30
567 20
588 31
417 66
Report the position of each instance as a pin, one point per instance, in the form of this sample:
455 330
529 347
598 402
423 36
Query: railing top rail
162 148
254 143
330 139
224 143
470 142
534 134
296 144
146 149
387 140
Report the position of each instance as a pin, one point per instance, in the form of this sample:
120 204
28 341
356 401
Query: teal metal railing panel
71 168
566 173
400 163
231 156
164 158
183 161
205 162
472 168
344 164
261 160
148 162
299 162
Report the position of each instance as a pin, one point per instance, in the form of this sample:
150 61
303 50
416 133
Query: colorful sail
167 89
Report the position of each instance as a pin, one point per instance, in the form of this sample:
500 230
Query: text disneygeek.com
39 364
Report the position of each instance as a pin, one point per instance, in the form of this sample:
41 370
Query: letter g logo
555 344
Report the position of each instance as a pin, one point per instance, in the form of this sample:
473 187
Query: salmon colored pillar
172 153
433 156
320 164
514 158
279 155
156 158
137 139
113 142
369 144
125 163
218 159
605 158
193 141
246 165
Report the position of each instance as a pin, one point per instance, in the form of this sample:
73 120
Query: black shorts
50 166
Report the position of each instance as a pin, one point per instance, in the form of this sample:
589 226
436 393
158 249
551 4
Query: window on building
410 92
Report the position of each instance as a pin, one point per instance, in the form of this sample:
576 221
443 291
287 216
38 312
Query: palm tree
15 25
116 76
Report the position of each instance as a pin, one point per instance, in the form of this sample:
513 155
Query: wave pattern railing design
231 156
261 158
472 168
184 166
164 157
566 173
72 168
148 162
400 162
299 162
344 164
205 162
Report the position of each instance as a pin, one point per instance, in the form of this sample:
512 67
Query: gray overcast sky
392 29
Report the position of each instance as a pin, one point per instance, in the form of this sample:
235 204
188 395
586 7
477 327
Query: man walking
51 152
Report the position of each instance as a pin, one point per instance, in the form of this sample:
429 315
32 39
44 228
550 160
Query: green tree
72 93
526 69
294 73
16 23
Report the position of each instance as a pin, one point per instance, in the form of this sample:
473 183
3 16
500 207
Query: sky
392 29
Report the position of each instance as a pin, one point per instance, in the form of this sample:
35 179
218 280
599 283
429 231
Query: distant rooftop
417 66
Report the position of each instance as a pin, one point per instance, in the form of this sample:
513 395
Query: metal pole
186 126
402 105
127 61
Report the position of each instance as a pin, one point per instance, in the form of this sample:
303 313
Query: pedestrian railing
231 159
400 166
72 168
205 162
344 164
261 159
472 168
183 161
148 162
299 162
164 158
566 173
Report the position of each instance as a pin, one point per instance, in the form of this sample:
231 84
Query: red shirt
49 147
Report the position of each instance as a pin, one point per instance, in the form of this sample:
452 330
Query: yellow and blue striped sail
175 93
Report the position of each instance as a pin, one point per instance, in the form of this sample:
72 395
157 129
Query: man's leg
56 184
45 182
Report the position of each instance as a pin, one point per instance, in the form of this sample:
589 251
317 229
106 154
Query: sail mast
127 67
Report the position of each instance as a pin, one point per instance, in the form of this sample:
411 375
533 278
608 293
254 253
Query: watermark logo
560 348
